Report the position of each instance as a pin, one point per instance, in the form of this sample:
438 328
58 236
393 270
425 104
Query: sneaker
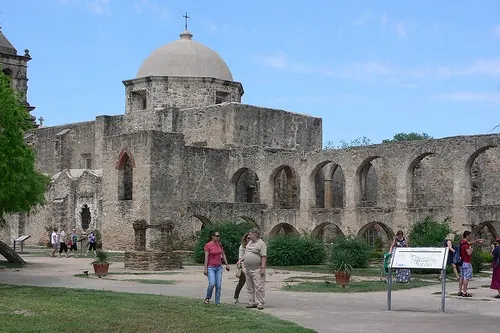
466 295
460 293
260 307
236 301
250 306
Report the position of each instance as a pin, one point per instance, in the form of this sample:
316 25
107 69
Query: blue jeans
214 280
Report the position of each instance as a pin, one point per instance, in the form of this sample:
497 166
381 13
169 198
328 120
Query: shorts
92 247
54 246
466 271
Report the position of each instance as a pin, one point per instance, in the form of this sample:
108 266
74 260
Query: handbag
238 272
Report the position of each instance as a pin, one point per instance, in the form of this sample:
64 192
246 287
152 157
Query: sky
368 68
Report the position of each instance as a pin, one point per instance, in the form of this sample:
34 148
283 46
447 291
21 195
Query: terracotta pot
101 270
342 278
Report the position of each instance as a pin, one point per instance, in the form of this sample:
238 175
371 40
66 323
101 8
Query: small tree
21 186
429 232
364 141
408 137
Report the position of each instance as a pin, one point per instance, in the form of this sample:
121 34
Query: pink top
214 254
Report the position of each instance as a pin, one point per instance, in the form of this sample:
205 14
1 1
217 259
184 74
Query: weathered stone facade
187 159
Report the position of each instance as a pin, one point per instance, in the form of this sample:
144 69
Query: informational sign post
421 258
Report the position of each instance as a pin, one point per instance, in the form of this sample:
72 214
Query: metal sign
421 258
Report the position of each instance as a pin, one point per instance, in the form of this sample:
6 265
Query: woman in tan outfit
255 269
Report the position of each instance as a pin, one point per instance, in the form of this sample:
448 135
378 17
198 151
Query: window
86 161
126 178
221 97
139 101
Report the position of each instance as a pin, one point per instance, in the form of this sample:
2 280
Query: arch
203 219
485 228
327 232
371 231
429 181
125 166
283 228
246 186
368 183
286 187
86 217
329 185
7 71
483 170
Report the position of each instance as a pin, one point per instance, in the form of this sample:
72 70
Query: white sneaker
236 301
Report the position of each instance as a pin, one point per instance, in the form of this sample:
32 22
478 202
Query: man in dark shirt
466 270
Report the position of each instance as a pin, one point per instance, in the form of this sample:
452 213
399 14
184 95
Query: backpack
457 257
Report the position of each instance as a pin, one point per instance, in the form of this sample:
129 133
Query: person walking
54 241
241 268
73 237
214 255
62 244
403 274
92 246
495 278
448 242
255 260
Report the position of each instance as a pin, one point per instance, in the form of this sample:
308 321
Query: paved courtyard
414 310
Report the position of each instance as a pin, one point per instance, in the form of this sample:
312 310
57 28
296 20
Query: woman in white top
239 264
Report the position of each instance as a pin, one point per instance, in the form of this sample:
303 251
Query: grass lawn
150 281
353 287
51 310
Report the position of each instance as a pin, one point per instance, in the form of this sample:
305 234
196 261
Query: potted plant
341 265
101 263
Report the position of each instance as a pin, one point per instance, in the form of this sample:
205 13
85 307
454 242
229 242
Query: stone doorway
86 217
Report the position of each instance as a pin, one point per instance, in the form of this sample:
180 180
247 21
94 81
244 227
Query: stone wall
240 125
17 68
158 92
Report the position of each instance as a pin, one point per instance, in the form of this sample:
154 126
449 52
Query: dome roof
185 57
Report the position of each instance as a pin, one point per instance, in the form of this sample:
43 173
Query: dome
185 57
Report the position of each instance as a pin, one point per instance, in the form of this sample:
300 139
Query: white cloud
401 29
151 6
470 96
496 31
280 61
384 20
487 67
362 19
98 7
212 27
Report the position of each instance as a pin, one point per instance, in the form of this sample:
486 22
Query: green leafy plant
379 244
358 248
102 258
342 261
477 261
295 250
231 234
429 232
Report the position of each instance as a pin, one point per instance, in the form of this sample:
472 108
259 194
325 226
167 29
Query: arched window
125 168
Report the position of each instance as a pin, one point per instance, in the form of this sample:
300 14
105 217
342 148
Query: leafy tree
408 137
364 141
429 232
21 186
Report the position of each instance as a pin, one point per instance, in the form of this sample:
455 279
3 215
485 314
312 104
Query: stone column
328 194
140 227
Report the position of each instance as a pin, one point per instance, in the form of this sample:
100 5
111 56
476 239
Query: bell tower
16 67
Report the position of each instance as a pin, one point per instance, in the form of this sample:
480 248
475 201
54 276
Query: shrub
379 244
359 249
487 257
429 232
231 235
294 250
477 261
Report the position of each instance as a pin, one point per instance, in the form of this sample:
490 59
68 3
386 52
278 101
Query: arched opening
484 173
283 229
8 73
286 188
377 235
246 186
86 217
125 167
368 184
485 231
430 181
245 220
329 186
327 232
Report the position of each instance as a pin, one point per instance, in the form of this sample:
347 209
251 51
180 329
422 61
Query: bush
477 261
487 257
359 249
231 235
293 250
379 244
376 255
429 232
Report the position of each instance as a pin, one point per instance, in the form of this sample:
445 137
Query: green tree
429 232
21 186
408 137
364 141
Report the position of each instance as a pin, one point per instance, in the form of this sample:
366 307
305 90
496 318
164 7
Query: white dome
185 57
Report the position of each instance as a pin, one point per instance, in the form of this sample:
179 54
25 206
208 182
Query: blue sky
368 68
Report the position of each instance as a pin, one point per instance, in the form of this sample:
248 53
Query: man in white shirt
62 243
54 240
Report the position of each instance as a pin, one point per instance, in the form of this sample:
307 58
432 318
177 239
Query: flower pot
101 270
342 278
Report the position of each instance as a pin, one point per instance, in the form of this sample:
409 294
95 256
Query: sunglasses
218 236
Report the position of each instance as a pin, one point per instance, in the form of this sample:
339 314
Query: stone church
187 150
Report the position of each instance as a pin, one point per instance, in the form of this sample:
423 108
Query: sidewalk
414 310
